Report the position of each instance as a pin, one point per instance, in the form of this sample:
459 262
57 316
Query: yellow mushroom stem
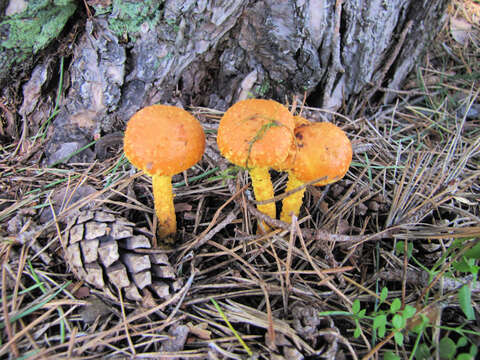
292 203
163 200
263 190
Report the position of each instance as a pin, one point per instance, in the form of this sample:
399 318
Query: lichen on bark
24 33
128 17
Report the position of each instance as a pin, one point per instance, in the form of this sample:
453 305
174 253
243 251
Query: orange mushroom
323 152
257 134
163 141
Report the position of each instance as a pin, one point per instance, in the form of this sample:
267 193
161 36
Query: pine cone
102 250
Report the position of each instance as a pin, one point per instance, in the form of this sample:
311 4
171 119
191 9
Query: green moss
102 10
262 89
32 30
128 16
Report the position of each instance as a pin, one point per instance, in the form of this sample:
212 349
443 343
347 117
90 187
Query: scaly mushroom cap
323 149
163 140
256 133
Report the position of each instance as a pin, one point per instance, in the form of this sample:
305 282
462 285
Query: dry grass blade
243 314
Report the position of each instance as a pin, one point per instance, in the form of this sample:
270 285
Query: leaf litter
414 181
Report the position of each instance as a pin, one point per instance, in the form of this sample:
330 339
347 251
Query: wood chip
161 289
108 252
76 233
94 275
90 250
119 231
136 262
142 279
94 230
164 271
132 293
136 242
118 275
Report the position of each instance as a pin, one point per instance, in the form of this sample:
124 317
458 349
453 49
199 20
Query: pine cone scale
102 250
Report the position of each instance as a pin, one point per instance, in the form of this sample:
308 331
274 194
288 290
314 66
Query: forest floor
382 264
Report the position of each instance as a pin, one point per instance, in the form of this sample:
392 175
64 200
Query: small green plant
448 349
394 319
461 257
396 322
466 263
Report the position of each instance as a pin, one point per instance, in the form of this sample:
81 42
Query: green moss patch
126 17
32 30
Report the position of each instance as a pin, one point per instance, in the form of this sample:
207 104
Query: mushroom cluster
262 134
255 134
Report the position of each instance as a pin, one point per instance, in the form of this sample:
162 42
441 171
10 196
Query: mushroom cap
323 149
256 133
163 140
287 164
300 120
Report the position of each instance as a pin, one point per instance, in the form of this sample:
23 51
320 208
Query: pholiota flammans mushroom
163 141
257 134
323 152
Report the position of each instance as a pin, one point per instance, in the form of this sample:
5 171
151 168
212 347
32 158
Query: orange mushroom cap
256 133
289 161
323 149
163 140
300 120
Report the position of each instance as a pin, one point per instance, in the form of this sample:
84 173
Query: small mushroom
323 152
163 141
257 134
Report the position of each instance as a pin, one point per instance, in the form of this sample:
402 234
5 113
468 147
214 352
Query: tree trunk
213 53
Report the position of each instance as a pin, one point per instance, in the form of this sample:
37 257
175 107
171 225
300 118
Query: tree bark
215 52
